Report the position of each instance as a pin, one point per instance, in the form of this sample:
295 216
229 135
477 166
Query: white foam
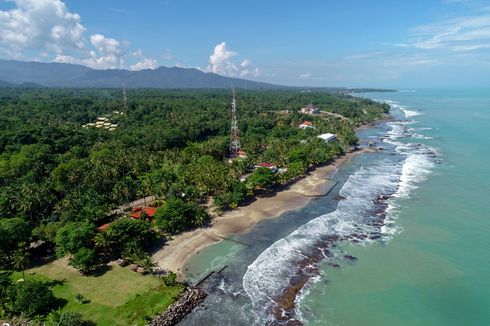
409 113
272 270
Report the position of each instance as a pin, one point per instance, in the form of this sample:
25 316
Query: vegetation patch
118 297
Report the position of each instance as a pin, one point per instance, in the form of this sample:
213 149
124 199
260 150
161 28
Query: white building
310 109
328 138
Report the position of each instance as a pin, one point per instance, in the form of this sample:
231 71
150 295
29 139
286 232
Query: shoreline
177 251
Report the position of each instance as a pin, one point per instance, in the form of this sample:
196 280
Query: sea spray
360 217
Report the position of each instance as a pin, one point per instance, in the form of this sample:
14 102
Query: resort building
306 125
328 138
102 122
310 109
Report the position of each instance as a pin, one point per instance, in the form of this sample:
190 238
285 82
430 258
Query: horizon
438 42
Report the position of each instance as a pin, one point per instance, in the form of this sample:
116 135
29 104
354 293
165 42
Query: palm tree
104 240
146 263
20 259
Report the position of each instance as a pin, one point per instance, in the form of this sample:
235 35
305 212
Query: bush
12 232
261 178
67 318
84 260
126 232
72 237
30 298
176 216
170 279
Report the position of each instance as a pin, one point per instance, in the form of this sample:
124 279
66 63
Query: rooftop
138 211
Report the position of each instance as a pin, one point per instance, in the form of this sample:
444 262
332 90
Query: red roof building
103 227
150 212
306 124
269 166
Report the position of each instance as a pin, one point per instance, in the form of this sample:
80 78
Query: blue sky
420 43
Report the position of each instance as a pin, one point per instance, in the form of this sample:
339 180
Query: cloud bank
48 26
220 62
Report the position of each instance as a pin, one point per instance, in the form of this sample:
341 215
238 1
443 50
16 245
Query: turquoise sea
404 239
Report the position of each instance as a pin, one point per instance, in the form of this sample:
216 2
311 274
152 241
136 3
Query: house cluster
104 122
310 109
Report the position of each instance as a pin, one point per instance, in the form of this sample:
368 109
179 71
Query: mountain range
22 73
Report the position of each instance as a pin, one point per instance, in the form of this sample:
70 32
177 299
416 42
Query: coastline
176 252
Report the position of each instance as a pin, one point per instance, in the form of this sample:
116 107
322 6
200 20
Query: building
310 109
102 122
306 125
269 166
242 154
328 138
103 227
150 212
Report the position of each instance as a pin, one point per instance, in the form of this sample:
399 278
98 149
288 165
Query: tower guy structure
125 97
235 134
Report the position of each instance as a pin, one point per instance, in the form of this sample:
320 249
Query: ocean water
404 239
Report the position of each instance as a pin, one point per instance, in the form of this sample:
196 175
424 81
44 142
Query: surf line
283 308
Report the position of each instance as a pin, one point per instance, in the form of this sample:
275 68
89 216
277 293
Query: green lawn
118 297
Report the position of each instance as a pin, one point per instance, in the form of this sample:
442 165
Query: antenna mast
235 135
125 97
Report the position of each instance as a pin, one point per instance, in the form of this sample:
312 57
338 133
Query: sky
350 43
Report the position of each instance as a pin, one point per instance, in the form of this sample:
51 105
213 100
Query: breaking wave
367 213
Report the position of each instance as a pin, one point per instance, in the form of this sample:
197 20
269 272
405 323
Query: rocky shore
283 309
188 300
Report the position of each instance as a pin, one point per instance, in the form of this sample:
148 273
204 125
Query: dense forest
59 180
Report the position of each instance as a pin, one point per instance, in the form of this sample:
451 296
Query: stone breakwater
188 300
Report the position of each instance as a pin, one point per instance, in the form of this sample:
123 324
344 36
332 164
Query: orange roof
307 123
103 227
149 211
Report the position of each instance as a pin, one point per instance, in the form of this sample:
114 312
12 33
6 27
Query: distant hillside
70 75
5 84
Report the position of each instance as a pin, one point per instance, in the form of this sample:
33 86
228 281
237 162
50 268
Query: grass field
118 297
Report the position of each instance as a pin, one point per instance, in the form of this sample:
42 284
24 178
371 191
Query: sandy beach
174 254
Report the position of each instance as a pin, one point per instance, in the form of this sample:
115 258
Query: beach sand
174 254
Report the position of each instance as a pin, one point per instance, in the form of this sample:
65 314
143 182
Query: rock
187 301
133 267
121 262
349 257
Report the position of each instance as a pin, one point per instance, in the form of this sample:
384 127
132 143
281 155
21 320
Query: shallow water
426 264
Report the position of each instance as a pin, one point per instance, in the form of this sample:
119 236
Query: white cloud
220 63
108 53
47 26
61 58
458 34
168 56
306 75
41 25
145 63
